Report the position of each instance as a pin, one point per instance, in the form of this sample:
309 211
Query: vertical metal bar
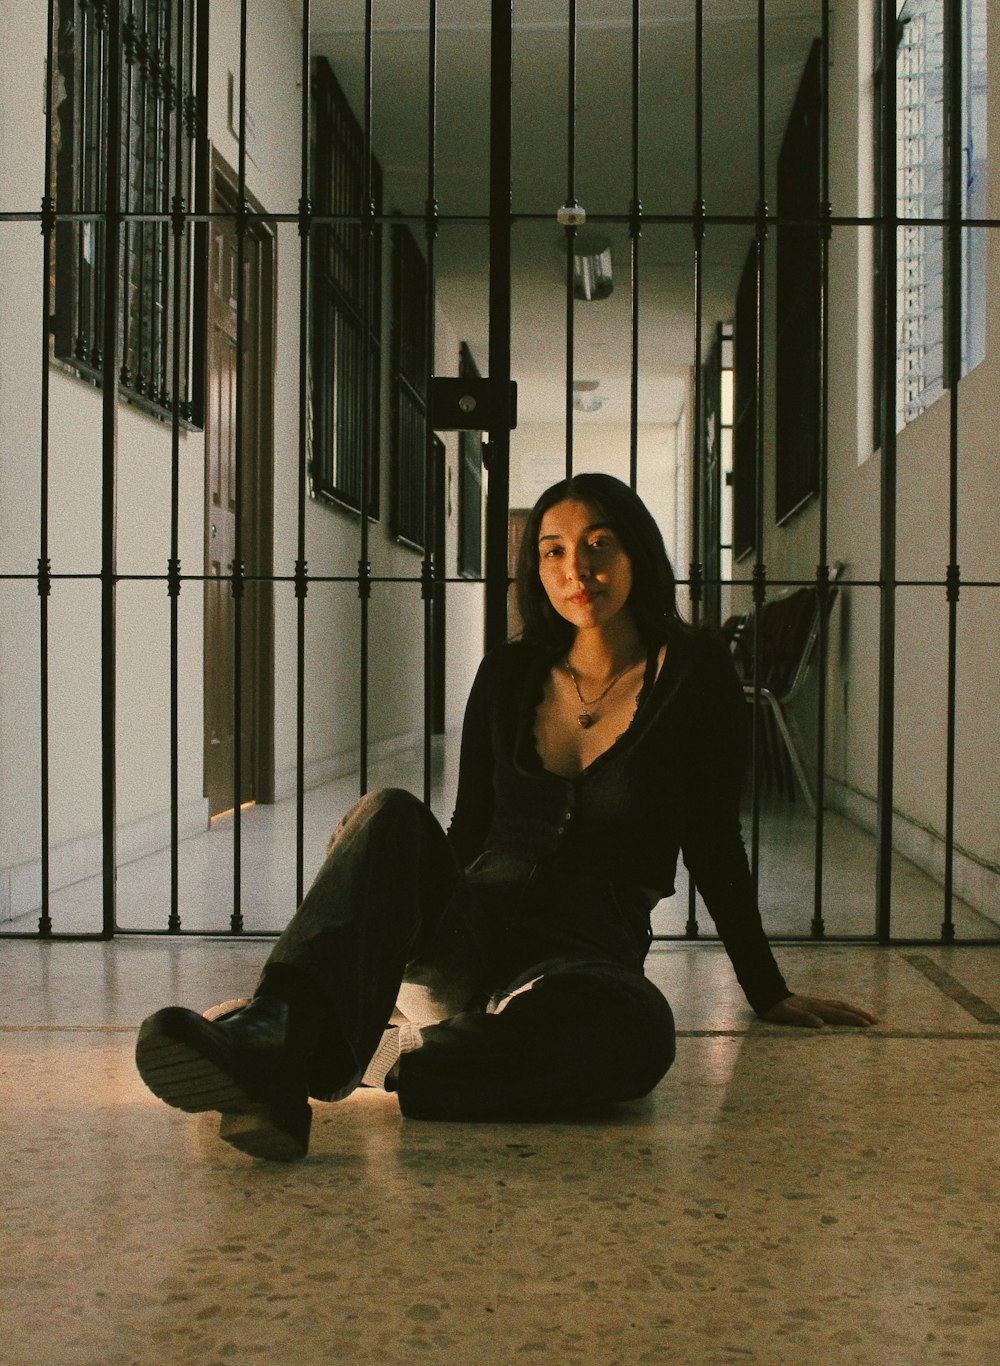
154 205
237 578
109 460
570 231
142 228
887 508
635 233
817 927
196 264
697 425
173 563
498 469
301 564
759 568
83 336
955 168
173 78
698 229
48 224
160 255
432 501
99 41
367 426
129 42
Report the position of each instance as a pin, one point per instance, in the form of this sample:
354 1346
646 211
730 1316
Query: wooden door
253 470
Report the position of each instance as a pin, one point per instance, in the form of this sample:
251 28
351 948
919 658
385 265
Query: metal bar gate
125 239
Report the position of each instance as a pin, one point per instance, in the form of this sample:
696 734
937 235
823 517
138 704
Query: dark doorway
439 474
252 466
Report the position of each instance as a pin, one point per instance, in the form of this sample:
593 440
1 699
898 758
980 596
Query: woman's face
584 570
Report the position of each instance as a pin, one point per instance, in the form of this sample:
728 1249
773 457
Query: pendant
585 719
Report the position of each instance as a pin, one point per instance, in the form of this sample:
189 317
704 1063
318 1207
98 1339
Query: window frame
972 342
159 67
345 271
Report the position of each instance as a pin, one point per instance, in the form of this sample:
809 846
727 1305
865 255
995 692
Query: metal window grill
156 84
346 299
339 217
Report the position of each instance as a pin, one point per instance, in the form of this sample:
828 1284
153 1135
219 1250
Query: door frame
257 474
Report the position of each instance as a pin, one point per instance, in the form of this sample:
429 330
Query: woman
608 738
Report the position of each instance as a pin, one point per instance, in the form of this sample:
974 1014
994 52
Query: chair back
786 638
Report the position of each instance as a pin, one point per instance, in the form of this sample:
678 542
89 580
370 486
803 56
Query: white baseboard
341 765
77 859
976 883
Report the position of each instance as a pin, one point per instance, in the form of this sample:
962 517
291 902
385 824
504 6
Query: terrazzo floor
783 1196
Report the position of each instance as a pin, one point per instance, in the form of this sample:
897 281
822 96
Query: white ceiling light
585 397
591 267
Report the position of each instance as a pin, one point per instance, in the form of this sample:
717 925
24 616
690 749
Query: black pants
391 916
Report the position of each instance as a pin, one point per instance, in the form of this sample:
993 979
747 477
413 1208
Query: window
161 62
408 458
798 297
924 85
346 305
470 486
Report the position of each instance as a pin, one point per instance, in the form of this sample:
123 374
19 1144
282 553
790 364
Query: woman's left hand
812 1012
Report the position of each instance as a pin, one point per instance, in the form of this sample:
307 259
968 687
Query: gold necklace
586 717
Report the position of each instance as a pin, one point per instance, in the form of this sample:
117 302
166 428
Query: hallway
782 1196
268 869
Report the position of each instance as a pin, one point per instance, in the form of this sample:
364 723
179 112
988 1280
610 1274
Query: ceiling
603 167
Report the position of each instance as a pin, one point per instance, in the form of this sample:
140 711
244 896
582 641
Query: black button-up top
669 784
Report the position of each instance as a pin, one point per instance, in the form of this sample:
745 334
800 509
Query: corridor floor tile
783 1196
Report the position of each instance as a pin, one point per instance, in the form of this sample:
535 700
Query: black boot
245 1065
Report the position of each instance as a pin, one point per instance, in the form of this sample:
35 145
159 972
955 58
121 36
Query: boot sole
183 1077
180 1075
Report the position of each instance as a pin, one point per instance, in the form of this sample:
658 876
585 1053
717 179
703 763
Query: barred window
162 64
924 84
920 192
470 486
409 388
345 364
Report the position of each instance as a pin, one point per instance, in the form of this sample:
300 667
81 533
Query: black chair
786 637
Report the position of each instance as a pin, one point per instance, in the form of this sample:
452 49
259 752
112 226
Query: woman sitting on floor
606 740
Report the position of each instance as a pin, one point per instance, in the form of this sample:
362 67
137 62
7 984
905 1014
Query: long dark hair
653 599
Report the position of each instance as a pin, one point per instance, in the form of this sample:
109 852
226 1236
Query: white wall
396 618
143 503
922 545
74 527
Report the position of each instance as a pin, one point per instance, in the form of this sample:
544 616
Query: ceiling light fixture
585 397
591 267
